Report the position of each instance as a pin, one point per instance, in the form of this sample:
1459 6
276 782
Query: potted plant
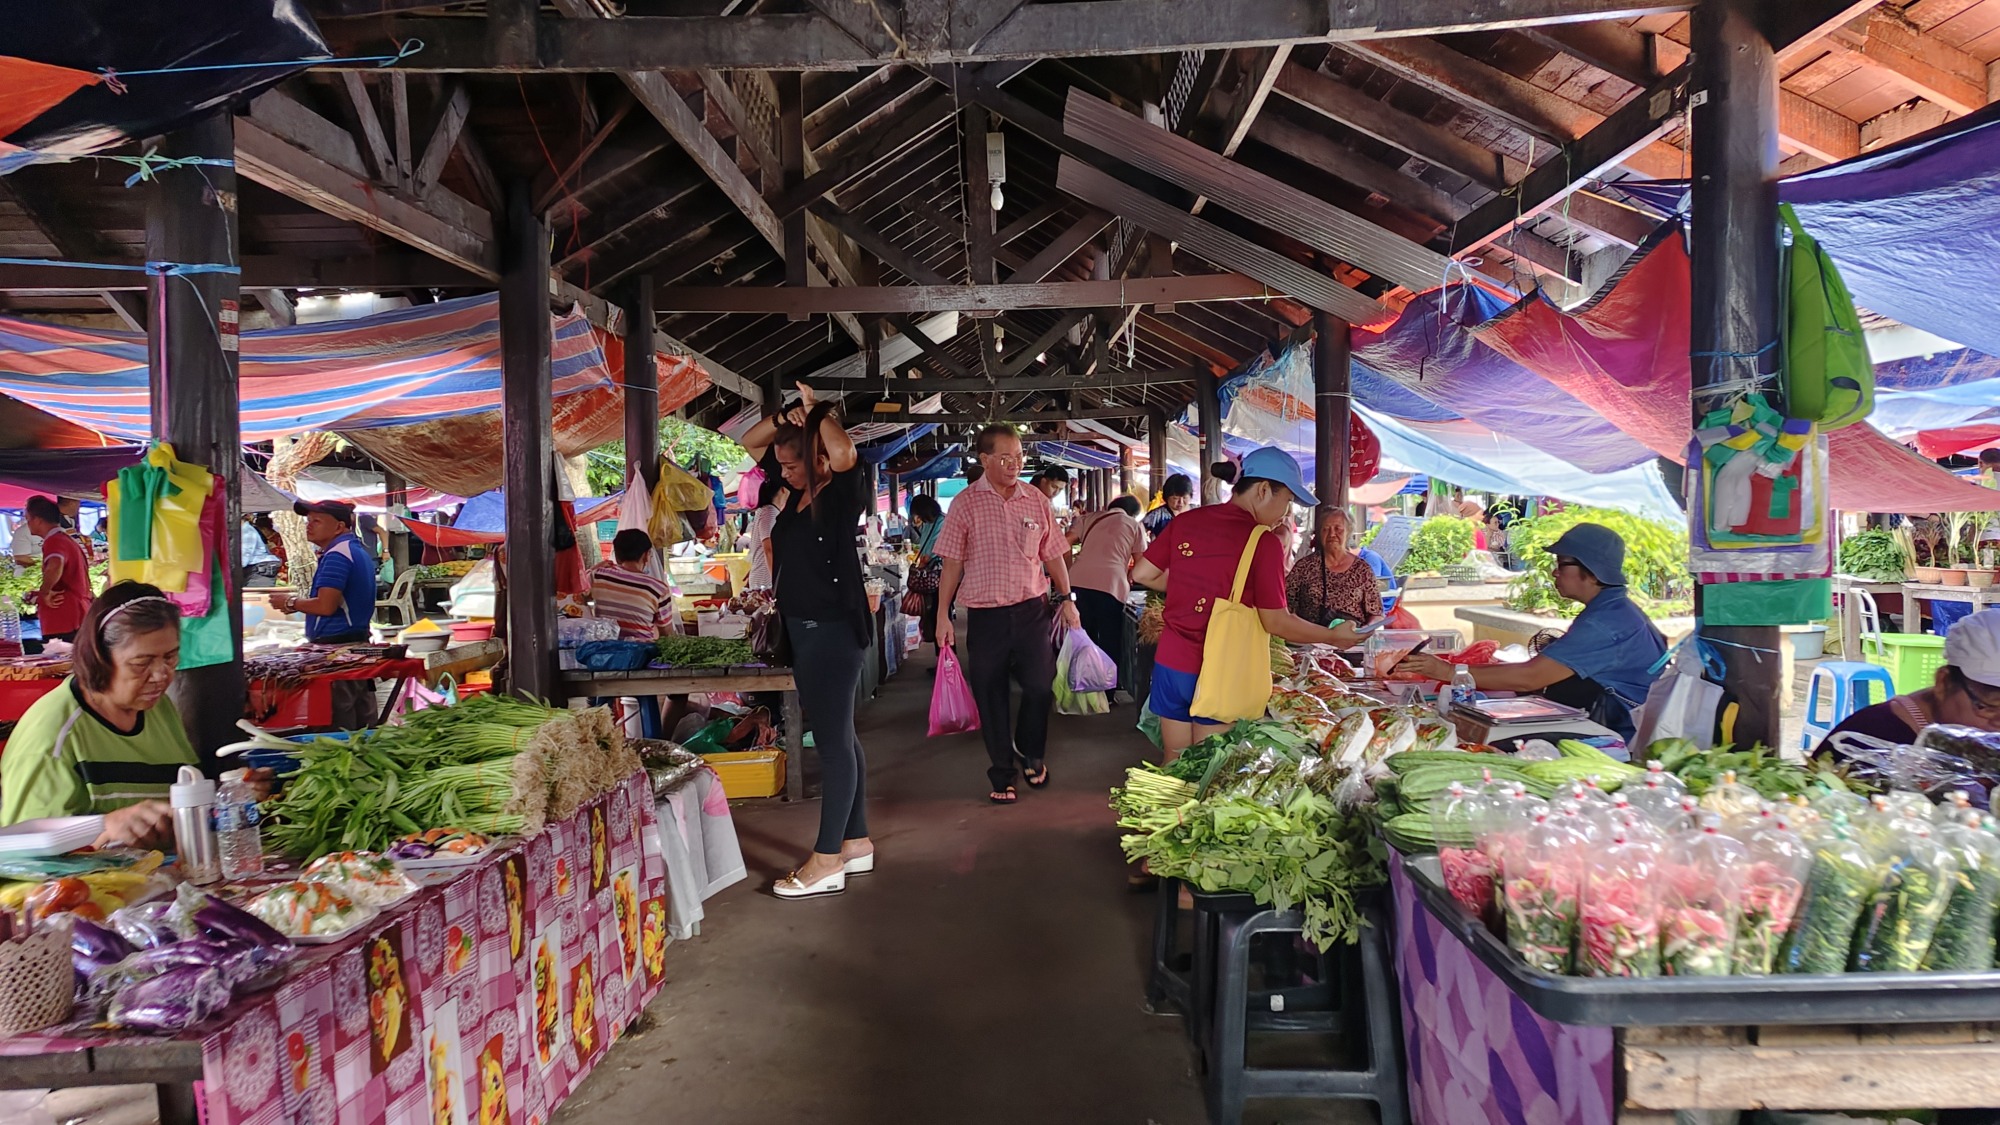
1958 549
1927 535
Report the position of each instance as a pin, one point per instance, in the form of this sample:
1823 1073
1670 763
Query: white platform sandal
791 887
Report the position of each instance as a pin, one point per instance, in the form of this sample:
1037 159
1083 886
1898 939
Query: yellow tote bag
1235 679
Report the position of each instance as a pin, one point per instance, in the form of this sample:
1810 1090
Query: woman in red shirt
1193 561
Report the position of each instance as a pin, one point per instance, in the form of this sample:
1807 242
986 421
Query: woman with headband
108 740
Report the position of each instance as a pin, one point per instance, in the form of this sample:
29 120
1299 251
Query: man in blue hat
1200 550
1604 663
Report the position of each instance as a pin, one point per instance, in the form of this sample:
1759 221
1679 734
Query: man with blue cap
1200 551
1604 664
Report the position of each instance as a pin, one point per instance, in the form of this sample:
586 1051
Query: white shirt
25 542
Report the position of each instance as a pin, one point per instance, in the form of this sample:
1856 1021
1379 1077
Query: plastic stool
1172 979
1230 1082
1847 681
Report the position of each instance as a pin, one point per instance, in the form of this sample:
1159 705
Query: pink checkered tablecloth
481 1000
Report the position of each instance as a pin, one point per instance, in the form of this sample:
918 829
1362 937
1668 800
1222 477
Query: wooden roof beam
1527 107
1206 240
1263 200
813 41
1932 68
1016 384
47 209
863 300
1391 126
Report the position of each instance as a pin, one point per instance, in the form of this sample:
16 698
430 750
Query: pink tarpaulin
1625 353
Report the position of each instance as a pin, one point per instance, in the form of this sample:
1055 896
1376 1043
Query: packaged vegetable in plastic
1468 872
93 947
302 909
1843 879
1700 903
1964 936
172 1001
1978 748
1618 921
1773 883
145 925
220 921
1897 926
1737 804
1952 809
1656 797
1541 875
1352 734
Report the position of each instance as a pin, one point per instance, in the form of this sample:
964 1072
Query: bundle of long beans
492 764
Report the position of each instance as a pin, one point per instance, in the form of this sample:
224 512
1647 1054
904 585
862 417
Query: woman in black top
813 477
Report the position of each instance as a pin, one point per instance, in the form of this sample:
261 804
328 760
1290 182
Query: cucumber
1415 832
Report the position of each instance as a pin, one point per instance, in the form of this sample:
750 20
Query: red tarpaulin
1958 439
1624 353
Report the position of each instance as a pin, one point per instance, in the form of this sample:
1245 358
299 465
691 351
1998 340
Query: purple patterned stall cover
484 999
1476 1053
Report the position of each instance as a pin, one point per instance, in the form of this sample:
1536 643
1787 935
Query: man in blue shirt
1604 663
342 604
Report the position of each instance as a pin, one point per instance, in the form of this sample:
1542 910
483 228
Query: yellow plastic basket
1911 658
750 773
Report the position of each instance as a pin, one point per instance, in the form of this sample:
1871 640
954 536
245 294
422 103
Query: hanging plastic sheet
1431 352
56 102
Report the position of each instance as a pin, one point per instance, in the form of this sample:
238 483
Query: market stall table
470 960
1489 1040
682 681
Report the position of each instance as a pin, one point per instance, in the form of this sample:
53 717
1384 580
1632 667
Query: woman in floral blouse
1332 582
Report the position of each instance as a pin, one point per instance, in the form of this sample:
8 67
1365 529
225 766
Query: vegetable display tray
1709 1001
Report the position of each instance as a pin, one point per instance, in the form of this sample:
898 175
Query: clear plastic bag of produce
1468 872
1774 881
1071 700
1980 749
1841 884
173 1001
1701 899
145 924
1964 936
1656 797
1541 878
1900 919
1921 769
1090 667
1351 737
1618 919
1736 803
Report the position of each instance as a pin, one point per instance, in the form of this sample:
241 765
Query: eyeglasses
1004 458
1563 562
1986 706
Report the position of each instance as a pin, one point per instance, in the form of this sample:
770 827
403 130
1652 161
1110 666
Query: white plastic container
50 835
193 799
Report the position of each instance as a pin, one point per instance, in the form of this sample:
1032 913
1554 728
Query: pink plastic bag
952 709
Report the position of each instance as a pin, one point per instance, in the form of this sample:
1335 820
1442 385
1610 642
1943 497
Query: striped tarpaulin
412 365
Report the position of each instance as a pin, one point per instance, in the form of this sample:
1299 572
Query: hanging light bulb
998 198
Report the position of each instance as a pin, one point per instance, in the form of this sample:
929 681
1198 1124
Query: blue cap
1597 547
1279 467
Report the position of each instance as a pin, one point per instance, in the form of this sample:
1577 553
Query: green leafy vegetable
1873 554
1842 882
703 652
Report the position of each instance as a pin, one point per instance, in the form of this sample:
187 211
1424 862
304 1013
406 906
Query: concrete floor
991 970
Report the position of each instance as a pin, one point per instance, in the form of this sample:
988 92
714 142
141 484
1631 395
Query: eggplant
89 940
173 1001
218 919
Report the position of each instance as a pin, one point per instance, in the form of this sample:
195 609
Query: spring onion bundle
491 765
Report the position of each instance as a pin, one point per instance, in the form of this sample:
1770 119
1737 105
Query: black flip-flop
1028 772
1010 798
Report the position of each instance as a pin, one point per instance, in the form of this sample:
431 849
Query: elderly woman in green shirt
107 741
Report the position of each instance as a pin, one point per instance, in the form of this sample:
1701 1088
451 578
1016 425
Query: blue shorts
1173 695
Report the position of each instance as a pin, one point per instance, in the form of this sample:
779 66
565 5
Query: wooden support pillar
642 383
1734 248
527 446
792 165
395 498
1208 413
1333 404
191 358
895 492
1125 467
1156 450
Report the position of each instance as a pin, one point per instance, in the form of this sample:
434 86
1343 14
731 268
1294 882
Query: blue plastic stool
1849 680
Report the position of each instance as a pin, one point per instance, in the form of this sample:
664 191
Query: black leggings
826 664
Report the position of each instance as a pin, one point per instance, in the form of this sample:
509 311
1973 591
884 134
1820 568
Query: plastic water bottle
237 837
10 627
1460 690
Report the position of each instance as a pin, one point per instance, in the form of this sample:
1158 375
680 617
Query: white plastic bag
1681 704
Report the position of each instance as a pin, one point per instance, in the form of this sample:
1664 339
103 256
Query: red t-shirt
1199 551
75 585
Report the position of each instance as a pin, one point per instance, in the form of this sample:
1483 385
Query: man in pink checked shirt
1002 552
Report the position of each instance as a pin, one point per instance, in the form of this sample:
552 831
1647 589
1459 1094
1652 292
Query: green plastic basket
1911 658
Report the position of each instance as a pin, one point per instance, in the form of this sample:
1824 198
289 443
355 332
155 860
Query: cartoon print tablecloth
483 1000
1475 1053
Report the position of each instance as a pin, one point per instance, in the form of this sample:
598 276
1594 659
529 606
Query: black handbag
768 640
926 577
